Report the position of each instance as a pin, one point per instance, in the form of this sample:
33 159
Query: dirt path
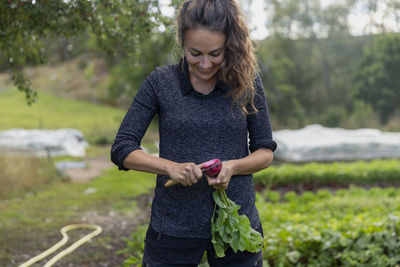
95 166
102 250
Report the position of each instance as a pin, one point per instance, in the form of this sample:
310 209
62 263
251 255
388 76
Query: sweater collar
186 85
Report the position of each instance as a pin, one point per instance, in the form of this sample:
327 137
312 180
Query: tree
118 27
377 81
299 69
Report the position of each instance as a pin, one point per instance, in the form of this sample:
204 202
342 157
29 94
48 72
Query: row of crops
354 227
358 225
366 173
351 217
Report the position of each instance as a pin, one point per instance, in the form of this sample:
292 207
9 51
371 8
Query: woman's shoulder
168 72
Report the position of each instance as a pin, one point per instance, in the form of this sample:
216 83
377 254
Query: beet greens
229 229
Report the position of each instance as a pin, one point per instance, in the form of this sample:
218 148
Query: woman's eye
216 55
195 55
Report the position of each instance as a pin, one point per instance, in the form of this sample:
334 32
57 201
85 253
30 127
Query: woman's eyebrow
213 51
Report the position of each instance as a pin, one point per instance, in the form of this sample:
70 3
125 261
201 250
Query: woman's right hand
185 173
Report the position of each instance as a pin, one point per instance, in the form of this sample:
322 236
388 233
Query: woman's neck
203 86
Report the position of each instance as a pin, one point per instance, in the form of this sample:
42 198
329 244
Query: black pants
167 251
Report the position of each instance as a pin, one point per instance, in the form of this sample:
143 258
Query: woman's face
204 51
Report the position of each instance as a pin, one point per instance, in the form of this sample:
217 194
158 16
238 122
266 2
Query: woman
208 105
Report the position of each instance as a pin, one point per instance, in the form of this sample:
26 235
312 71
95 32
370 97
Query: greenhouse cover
318 143
42 143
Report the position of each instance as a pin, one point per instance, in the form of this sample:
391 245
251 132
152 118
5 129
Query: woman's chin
205 76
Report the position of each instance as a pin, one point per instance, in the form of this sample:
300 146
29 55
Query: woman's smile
205 71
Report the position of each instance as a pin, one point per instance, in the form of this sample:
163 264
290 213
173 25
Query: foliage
336 174
377 80
134 247
229 229
353 227
310 59
126 77
117 26
296 85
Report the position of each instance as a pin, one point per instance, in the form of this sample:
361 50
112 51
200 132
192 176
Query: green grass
65 199
99 124
51 112
41 214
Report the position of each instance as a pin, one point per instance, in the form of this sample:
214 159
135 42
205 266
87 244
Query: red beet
212 167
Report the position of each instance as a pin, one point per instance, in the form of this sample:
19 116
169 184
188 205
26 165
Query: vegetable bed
338 174
354 227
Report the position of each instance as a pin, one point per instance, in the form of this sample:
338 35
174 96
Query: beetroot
212 167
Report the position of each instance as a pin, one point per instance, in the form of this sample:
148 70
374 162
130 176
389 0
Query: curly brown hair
239 67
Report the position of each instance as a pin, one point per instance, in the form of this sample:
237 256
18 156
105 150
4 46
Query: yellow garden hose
62 242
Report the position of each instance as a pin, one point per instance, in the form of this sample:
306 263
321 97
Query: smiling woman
214 23
208 106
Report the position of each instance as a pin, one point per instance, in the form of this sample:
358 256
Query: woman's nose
205 62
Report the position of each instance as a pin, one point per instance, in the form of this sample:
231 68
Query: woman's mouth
205 71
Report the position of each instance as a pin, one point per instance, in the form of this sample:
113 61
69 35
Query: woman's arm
183 173
256 161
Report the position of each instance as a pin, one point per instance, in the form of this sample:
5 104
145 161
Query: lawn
51 112
99 124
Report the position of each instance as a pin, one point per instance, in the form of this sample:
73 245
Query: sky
358 19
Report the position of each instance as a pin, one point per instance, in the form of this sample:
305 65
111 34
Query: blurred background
327 66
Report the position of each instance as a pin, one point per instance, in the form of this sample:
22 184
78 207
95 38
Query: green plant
134 247
336 174
229 229
354 227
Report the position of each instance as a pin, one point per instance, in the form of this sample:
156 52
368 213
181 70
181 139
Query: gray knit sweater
193 128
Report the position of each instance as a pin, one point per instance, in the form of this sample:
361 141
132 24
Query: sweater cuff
269 144
119 157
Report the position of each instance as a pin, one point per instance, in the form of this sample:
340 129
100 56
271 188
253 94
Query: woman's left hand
224 176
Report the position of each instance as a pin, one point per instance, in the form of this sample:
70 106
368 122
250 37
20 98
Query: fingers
222 180
192 173
197 172
218 183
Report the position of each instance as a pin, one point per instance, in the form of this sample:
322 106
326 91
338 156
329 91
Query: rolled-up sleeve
259 125
135 123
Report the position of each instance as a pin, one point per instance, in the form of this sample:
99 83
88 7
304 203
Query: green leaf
230 229
217 200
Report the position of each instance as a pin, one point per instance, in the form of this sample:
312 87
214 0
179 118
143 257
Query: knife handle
170 182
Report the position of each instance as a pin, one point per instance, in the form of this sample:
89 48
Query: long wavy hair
239 67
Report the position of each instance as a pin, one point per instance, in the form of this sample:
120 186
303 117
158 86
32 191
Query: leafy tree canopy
118 26
377 80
